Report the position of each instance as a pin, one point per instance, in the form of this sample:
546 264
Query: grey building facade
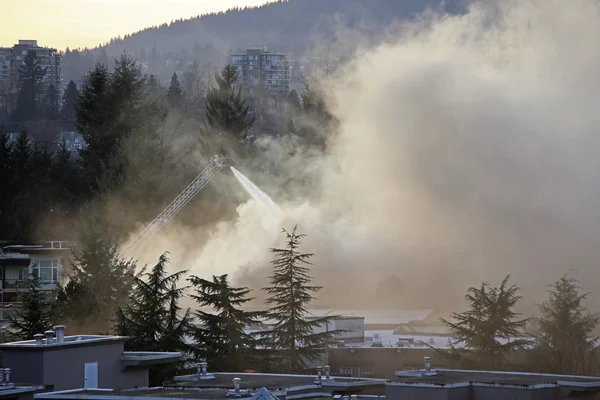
448 384
83 361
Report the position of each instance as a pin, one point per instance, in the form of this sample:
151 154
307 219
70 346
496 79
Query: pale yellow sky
80 23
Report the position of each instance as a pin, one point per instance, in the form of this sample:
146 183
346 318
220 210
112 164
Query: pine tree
489 320
226 113
112 108
35 315
221 339
293 101
154 319
31 74
23 178
70 97
66 175
7 178
97 270
563 344
51 107
93 118
293 333
175 94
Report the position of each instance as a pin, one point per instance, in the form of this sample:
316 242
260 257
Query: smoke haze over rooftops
467 150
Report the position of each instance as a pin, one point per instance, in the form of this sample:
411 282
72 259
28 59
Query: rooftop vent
60 333
319 375
202 373
428 371
49 336
328 373
237 390
39 339
5 379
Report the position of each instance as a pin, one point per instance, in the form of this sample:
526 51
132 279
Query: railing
22 284
57 244
14 284
8 309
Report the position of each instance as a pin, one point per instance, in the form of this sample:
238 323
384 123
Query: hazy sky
80 23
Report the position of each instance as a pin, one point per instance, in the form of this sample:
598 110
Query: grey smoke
467 150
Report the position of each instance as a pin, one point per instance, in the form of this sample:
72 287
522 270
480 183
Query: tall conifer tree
221 338
154 319
295 334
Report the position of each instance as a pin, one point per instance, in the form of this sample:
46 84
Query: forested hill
290 26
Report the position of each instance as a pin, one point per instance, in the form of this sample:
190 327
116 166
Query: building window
24 273
46 270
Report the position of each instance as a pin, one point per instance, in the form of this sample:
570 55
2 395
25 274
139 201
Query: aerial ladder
217 163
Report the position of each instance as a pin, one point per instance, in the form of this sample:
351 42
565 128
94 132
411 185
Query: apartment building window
46 270
23 273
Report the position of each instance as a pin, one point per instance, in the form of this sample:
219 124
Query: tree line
146 306
35 100
490 333
138 135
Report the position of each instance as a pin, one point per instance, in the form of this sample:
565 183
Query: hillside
291 26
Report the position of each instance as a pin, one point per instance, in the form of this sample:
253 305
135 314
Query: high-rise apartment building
11 58
258 65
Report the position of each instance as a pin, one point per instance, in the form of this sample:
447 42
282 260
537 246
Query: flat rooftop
219 388
158 393
453 377
76 340
254 381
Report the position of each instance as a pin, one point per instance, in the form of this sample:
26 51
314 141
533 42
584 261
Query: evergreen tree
226 112
35 315
175 94
293 333
153 317
293 101
221 339
565 329
93 117
22 158
65 175
489 320
70 97
113 107
7 178
101 280
23 178
51 107
31 74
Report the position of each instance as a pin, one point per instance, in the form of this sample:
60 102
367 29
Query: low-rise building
227 385
18 262
57 362
431 384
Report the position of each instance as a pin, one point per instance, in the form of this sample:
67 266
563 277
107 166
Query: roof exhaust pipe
49 336
39 339
60 333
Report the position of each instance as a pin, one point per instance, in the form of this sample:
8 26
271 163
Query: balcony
14 284
6 309
22 284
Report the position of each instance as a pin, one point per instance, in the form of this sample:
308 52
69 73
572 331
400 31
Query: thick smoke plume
467 150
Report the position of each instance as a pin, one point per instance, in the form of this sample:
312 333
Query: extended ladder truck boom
216 164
